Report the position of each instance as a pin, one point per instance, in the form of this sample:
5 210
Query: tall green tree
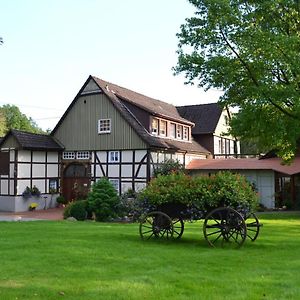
12 118
250 50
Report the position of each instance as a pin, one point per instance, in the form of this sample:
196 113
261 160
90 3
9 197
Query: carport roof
274 164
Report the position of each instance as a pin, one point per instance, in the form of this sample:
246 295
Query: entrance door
76 181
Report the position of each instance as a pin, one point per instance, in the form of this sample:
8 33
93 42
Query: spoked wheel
156 225
226 227
253 226
178 226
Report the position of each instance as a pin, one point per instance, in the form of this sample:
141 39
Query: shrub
103 200
61 200
77 210
67 211
169 166
201 192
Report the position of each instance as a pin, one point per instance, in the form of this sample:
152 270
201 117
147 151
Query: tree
250 50
12 118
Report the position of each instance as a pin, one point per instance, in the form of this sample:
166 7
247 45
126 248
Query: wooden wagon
222 225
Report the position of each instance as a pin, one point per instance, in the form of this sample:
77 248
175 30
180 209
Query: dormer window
185 133
154 126
172 130
179 132
163 128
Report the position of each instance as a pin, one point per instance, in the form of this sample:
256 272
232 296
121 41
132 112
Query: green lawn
87 260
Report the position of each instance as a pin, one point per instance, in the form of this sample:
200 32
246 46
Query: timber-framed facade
107 131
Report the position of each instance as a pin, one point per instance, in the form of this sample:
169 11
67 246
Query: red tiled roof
274 164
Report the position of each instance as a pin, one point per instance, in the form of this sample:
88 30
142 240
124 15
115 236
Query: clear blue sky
52 46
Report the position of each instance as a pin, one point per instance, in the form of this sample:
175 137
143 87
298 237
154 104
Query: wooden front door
76 181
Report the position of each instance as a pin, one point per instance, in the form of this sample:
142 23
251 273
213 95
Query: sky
52 46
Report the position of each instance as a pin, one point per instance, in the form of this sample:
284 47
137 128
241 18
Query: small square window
114 156
104 126
83 155
68 155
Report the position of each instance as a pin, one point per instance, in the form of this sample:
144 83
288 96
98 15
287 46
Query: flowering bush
33 206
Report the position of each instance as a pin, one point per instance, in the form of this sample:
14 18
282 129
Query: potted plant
27 192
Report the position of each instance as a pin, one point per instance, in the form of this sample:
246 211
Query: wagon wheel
226 227
253 226
178 226
156 224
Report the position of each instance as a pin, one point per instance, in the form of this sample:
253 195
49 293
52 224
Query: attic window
154 126
104 126
172 130
163 128
179 132
185 133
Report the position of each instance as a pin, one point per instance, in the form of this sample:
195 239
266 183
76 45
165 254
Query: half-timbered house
28 160
114 132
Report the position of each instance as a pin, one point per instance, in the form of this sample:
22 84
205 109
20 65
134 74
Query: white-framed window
154 126
179 132
114 156
115 183
83 155
172 130
69 155
185 133
104 126
162 128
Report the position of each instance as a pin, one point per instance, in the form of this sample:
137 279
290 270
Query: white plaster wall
102 156
38 156
98 171
12 155
143 171
126 171
40 184
7 203
139 154
24 155
23 170
11 170
38 170
113 171
52 170
127 156
21 186
4 186
52 156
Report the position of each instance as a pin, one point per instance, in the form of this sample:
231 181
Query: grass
86 260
